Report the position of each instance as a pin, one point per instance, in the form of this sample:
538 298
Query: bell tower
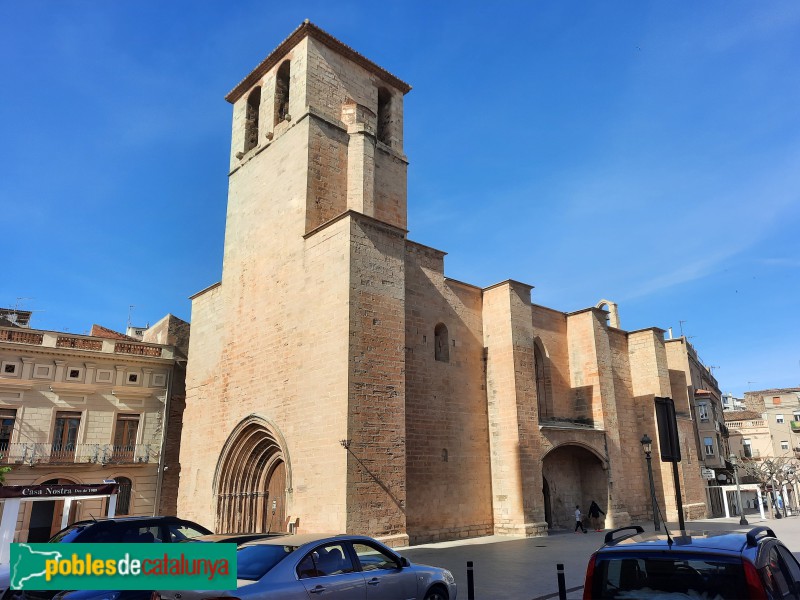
305 334
355 129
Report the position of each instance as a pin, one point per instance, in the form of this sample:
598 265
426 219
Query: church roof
308 29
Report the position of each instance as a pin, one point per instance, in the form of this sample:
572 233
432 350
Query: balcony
797 452
75 454
51 339
795 425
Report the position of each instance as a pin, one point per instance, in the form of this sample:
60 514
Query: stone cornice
308 29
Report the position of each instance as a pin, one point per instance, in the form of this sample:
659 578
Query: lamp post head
733 460
647 444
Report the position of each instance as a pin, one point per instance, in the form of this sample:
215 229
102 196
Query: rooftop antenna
680 324
130 310
712 367
16 304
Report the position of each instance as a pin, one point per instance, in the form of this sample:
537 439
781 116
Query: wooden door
276 498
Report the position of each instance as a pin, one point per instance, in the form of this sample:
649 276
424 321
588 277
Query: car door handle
374 581
317 590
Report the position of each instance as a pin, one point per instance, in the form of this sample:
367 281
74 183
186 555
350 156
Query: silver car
338 567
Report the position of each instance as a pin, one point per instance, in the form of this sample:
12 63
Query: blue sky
648 153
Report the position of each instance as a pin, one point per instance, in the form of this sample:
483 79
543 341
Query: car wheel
436 594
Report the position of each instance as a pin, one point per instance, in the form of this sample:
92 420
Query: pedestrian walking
594 515
579 520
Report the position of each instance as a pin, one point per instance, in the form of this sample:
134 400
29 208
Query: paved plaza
525 568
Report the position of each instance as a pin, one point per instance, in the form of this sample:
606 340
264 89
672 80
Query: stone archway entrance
252 479
574 476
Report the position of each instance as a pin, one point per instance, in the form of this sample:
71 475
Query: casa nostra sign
57 490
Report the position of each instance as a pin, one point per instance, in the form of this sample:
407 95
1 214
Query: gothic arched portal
252 479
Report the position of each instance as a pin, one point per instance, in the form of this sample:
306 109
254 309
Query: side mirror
404 562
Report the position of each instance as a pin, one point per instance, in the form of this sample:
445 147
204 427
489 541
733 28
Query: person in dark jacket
594 515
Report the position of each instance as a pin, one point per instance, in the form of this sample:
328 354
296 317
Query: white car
338 567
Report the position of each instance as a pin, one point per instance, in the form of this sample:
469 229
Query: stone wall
449 481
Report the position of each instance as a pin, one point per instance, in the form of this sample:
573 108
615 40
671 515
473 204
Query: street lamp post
647 445
735 463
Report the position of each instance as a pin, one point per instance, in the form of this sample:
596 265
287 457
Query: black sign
667 430
57 490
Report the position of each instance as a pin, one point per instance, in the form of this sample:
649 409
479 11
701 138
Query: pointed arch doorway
252 479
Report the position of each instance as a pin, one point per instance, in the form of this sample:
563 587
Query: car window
131 534
69 534
775 575
330 559
626 575
373 558
253 562
792 566
179 532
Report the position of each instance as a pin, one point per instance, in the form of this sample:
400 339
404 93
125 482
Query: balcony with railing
52 339
74 454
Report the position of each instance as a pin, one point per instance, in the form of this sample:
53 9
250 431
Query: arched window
541 382
441 343
282 93
124 496
251 120
384 115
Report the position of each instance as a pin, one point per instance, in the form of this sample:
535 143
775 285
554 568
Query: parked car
694 564
232 538
211 538
338 567
114 530
129 530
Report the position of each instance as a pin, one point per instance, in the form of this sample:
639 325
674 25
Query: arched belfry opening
251 120
384 122
282 92
252 479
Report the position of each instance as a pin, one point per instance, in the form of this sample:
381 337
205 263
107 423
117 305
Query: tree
770 472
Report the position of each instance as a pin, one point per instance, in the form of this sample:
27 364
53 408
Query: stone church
339 381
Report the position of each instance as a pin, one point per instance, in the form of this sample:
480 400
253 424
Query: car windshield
665 577
253 562
69 534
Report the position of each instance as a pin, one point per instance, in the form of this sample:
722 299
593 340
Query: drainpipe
162 453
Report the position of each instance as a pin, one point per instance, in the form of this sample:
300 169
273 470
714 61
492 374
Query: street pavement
525 568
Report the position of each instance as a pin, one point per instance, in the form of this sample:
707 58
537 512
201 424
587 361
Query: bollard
562 585
470 582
